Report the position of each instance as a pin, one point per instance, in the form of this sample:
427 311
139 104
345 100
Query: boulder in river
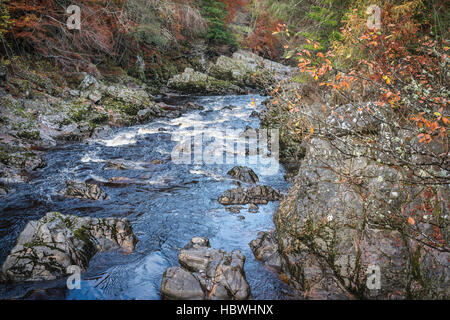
247 69
244 174
234 209
83 190
253 208
192 106
195 82
265 249
48 246
206 274
255 195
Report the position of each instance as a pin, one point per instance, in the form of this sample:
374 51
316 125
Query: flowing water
167 204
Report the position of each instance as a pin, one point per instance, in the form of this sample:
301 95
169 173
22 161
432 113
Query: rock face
354 119
244 174
255 195
84 191
265 249
48 246
206 274
337 238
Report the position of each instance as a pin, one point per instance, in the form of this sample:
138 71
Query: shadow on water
167 204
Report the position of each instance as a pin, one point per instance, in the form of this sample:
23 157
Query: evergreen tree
215 13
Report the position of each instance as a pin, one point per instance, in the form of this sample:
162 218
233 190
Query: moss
78 112
98 118
4 157
83 234
29 135
201 86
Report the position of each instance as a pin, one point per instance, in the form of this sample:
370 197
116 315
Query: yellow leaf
312 130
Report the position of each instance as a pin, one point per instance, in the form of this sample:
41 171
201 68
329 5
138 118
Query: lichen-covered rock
180 284
82 190
191 81
206 274
332 236
247 69
48 246
244 174
349 118
255 195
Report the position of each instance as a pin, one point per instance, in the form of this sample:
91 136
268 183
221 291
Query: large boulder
265 249
195 82
83 190
247 69
206 274
48 246
244 174
255 195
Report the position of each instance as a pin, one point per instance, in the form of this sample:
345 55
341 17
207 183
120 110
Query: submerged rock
82 190
206 274
253 208
234 209
255 195
192 106
48 246
244 174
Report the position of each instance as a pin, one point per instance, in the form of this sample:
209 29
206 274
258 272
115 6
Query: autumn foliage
114 29
40 26
263 40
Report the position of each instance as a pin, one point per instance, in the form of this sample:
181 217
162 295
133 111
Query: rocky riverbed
127 177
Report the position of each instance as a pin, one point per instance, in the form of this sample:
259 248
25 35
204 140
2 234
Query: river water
167 203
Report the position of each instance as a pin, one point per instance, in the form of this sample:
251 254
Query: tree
214 11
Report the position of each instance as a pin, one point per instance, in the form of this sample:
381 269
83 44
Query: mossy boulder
194 82
48 246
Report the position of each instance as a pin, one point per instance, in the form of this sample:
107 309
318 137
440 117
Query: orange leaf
411 221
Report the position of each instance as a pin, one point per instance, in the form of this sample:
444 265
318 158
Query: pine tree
215 13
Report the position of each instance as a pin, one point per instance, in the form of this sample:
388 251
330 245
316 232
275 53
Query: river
167 204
